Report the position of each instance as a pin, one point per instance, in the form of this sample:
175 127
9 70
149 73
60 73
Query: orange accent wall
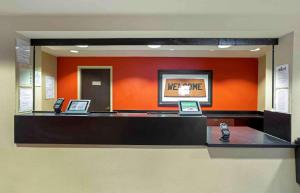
235 81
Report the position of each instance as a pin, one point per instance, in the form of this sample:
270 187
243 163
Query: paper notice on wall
25 77
282 76
50 86
38 78
282 100
25 99
22 52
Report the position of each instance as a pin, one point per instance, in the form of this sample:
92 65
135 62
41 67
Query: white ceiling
163 51
177 7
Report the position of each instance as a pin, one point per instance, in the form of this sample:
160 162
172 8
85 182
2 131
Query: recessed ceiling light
172 49
74 51
82 46
224 46
154 46
255 50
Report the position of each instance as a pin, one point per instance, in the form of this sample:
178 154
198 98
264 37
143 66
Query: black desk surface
240 136
110 129
245 137
234 115
109 114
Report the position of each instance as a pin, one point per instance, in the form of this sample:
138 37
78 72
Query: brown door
95 85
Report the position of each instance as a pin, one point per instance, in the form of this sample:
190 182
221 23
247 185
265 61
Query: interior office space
243 80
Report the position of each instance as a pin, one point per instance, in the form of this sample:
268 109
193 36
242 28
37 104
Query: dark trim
297 160
33 80
162 72
273 73
149 41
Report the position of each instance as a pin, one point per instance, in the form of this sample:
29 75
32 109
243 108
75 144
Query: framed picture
175 85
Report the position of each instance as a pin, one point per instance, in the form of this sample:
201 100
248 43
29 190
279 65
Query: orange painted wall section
235 80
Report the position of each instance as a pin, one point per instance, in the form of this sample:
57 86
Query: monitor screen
78 106
59 101
189 106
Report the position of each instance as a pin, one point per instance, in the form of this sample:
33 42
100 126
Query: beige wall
265 81
261 101
268 79
46 64
38 69
295 102
128 169
49 68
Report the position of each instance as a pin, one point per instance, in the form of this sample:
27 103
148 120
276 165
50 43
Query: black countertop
109 114
245 137
241 136
110 129
208 114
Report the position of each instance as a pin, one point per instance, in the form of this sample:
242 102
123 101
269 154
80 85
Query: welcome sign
185 87
176 85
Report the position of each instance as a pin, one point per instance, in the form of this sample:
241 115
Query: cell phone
58 105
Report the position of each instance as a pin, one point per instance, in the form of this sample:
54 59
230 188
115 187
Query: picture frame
176 85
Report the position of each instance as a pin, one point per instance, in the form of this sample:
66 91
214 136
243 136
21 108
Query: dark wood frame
188 72
153 41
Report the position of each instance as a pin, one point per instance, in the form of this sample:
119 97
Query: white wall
131 169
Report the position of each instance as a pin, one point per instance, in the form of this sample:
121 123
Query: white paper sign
282 76
96 83
282 100
25 77
49 80
25 99
38 80
22 52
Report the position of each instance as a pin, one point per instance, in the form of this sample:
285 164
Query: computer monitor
189 108
78 106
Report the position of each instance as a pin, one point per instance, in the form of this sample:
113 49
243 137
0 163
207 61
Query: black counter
139 129
110 129
245 137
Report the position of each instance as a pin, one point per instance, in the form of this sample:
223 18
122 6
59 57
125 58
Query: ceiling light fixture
82 46
74 51
154 46
172 49
255 50
224 46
